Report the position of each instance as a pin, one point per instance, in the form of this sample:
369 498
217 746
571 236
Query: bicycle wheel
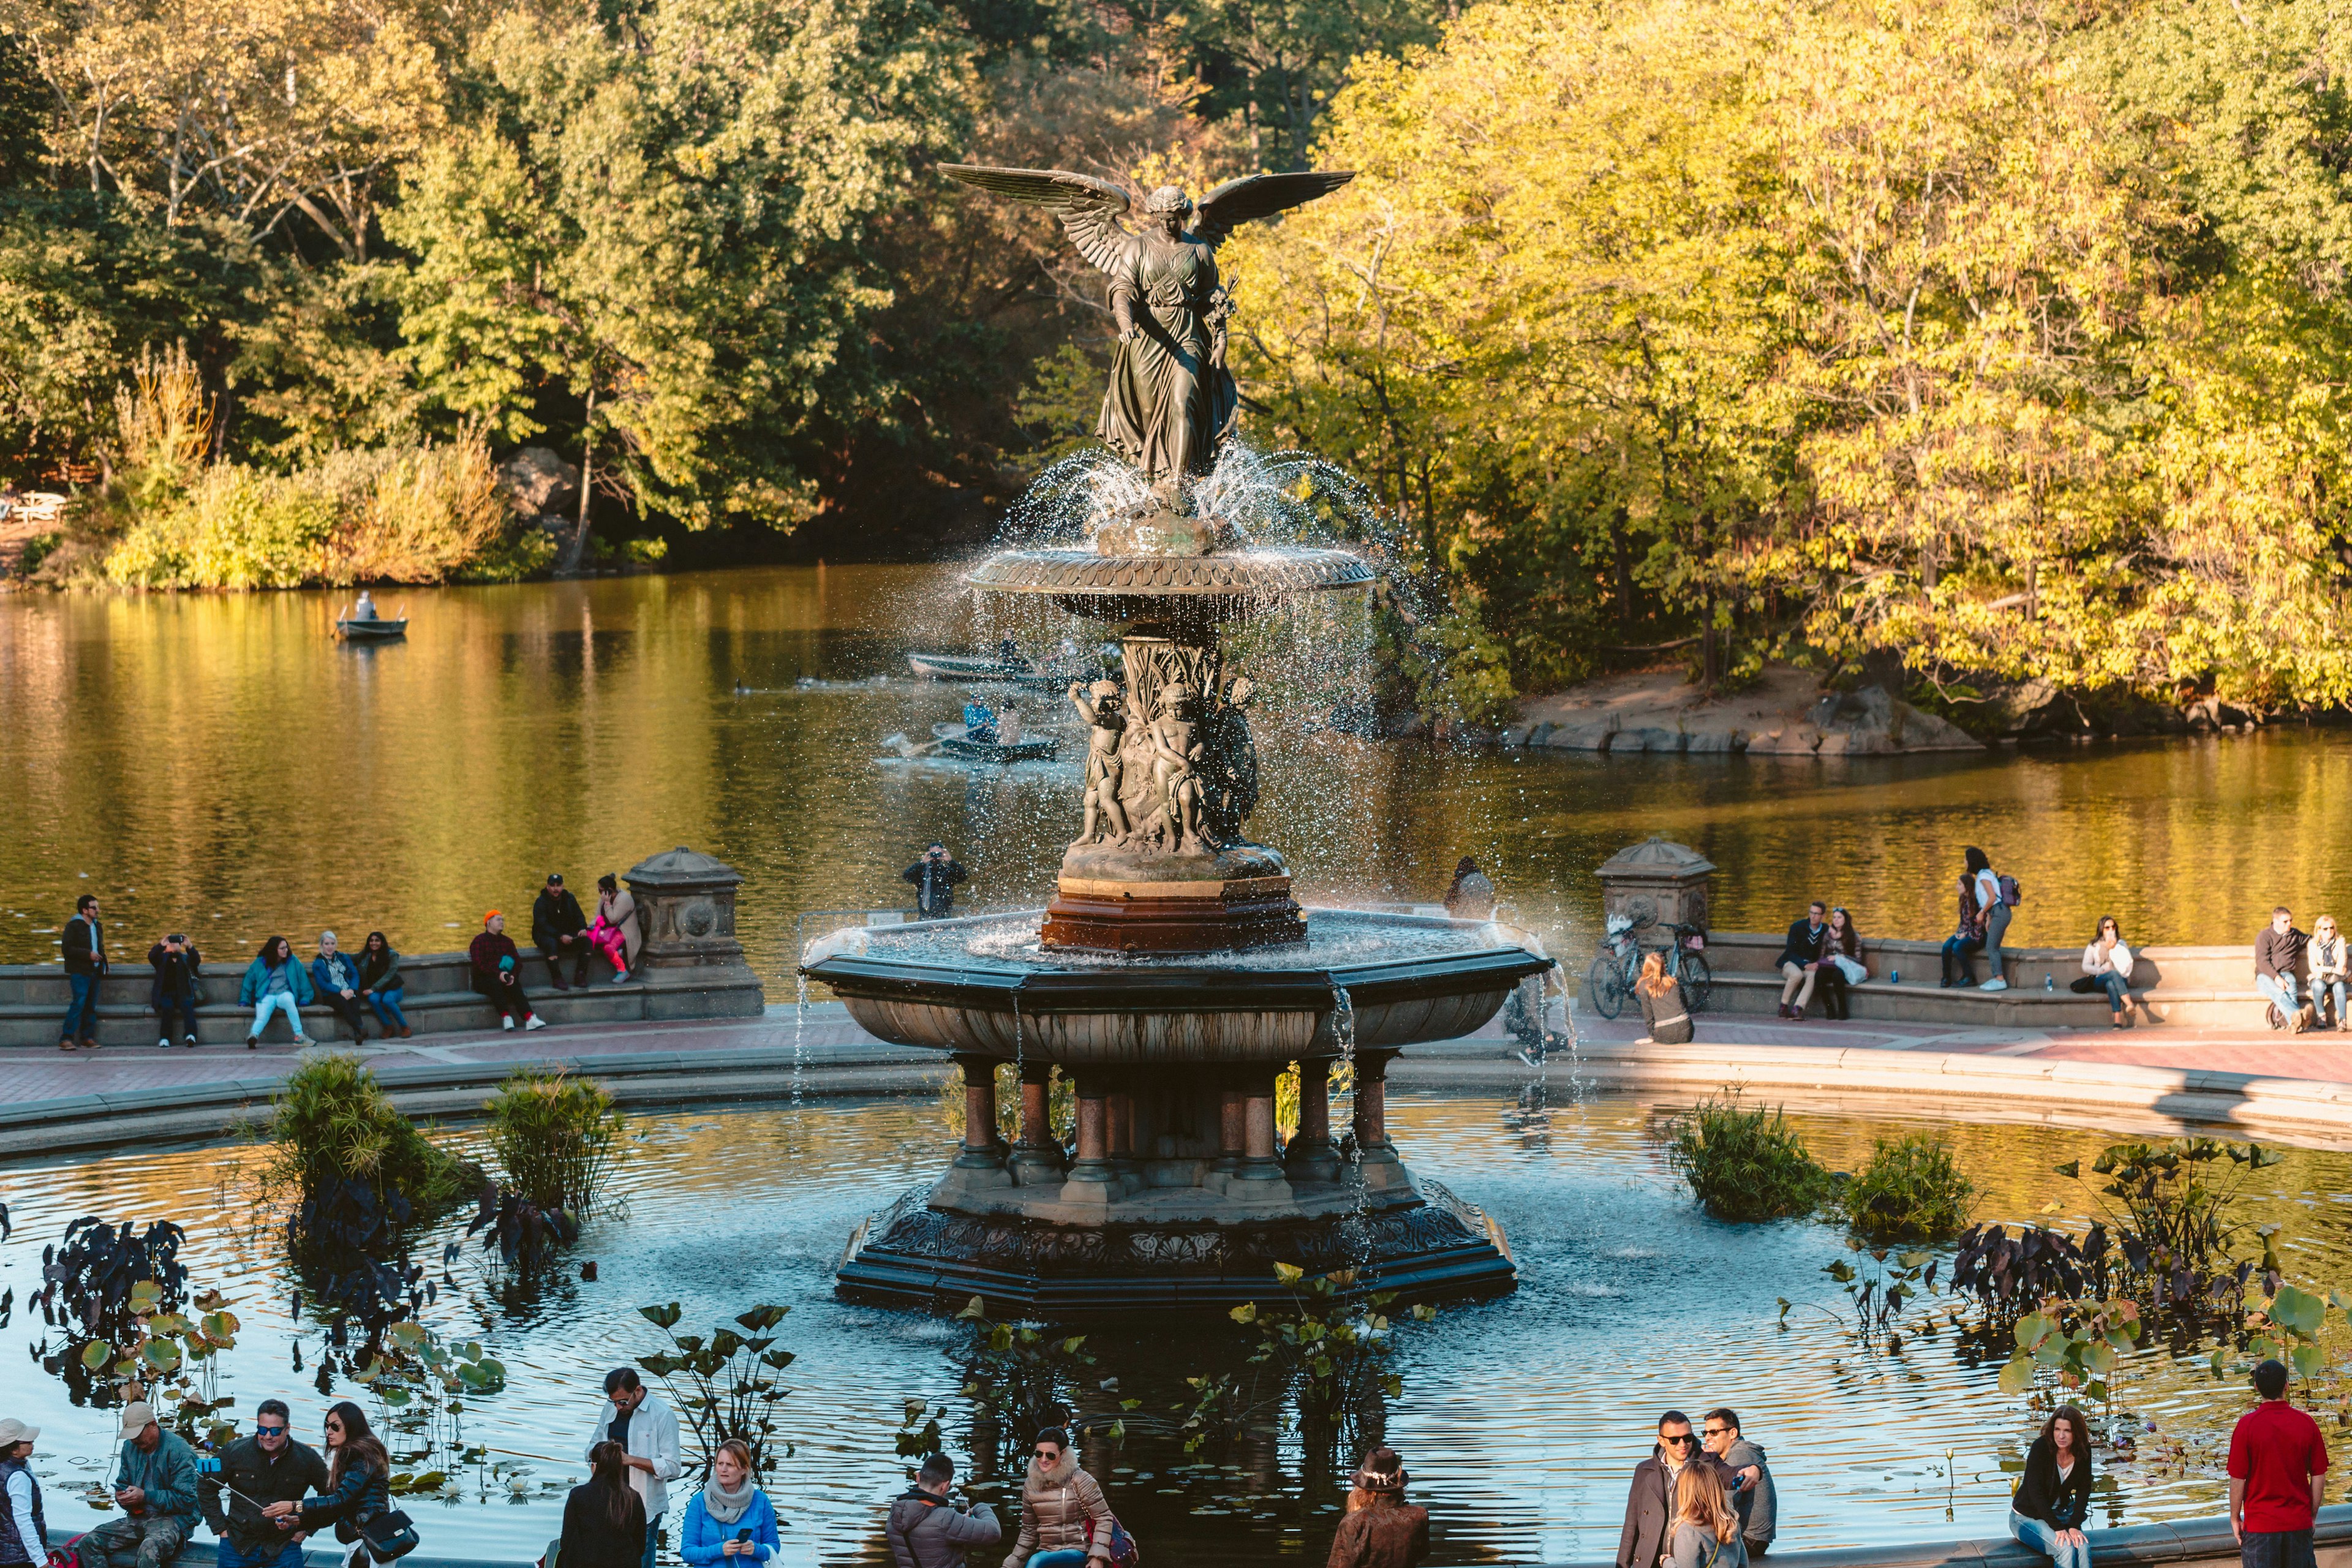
1698 981
1606 985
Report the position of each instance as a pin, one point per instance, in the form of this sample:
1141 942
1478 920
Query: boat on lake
964 667
373 629
955 742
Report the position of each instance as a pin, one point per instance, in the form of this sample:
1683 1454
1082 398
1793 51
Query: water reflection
1520 1418
215 762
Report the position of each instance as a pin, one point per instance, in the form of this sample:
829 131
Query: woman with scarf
730 1520
1381 1529
616 932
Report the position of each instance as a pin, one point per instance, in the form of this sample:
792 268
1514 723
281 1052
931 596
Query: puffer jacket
1055 1505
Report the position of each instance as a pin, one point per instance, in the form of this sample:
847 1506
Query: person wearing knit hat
23 1532
1380 1529
498 974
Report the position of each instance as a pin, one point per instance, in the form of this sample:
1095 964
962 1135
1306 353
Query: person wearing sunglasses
359 1484
1758 1504
1065 1520
1650 1504
266 1467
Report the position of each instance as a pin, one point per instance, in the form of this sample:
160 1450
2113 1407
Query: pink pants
608 941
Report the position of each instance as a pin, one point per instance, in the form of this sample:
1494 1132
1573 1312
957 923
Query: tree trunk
572 556
1623 548
1710 664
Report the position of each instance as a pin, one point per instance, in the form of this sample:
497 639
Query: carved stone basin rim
1257 573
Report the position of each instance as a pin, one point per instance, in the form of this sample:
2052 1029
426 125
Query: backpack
2010 894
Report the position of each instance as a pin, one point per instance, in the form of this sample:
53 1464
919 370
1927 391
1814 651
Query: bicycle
1619 963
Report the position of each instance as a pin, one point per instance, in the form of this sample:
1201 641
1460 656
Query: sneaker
252 1041
1995 985
190 1042
305 1041
165 1044
534 1022
506 1022
620 977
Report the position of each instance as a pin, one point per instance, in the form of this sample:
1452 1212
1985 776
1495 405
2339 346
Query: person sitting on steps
1841 966
1801 960
2108 966
2278 949
498 974
178 985
274 982
2331 958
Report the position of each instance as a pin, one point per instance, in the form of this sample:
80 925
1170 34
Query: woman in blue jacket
730 1521
274 982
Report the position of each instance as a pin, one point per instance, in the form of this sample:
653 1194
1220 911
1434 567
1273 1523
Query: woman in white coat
2108 966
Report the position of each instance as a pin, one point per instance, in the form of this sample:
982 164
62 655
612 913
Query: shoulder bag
390 1535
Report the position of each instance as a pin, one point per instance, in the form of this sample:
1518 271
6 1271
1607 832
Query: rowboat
952 740
378 630
959 666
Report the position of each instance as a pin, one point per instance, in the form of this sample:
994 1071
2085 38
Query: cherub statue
1105 770
1170 399
1175 755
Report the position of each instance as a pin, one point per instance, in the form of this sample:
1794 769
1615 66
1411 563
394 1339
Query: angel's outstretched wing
1236 202
1089 209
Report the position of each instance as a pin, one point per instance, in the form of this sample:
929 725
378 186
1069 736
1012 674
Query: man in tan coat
1058 1501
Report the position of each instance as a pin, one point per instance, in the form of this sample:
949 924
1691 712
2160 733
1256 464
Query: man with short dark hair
84 946
926 1531
1802 958
179 976
2277 1460
560 930
647 1430
267 1468
1759 1506
2278 949
935 876
1650 1503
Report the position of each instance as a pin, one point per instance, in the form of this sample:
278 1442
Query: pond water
213 762
1520 1418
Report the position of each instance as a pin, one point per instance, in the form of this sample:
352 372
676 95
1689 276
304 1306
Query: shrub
1743 1165
236 527
1911 1190
331 1123
557 1137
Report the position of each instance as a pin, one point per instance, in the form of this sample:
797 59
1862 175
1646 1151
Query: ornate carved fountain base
1116 900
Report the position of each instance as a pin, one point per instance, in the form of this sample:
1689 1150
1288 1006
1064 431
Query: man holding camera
935 876
927 1530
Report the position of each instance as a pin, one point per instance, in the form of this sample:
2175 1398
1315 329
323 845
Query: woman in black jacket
359 1476
603 1521
2054 1499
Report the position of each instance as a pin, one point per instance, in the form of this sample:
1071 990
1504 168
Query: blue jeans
82 1013
275 1001
280 1554
387 1006
653 1533
2281 991
1955 958
2329 990
1068 1559
181 1007
2043 1538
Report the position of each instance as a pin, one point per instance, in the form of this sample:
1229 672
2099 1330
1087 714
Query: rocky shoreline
1785 713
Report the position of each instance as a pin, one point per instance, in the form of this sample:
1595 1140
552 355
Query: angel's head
1167 209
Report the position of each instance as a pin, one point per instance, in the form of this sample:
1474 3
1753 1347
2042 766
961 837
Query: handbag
1851 969
1124 1552
389 1536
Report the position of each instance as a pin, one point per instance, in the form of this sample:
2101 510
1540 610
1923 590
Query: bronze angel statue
1170 400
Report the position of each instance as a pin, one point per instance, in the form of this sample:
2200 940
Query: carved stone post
1310 1157
690 964
1258 1164
1378 1159
979 1149
1093 1164
1119 1106
1039 1155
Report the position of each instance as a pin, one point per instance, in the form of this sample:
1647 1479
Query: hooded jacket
926 1531
1758 1505
1056 1501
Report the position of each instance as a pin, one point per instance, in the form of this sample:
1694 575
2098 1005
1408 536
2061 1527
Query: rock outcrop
1786 713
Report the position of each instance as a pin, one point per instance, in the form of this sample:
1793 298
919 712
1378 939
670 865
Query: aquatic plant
2174 1232
421 1382
1744 1165
557 1138
518 1231
94 1272
2010 1276
725 1384
1911 1189
2078 1343
331 1123
1020 1380
1332 1352
121 1295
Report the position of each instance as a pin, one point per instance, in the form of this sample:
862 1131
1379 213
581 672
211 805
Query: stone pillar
980 1151
1119 1106
690 964
1376 1158
1310 1157
1092 1166
1233 1121
1658 882
1038 1156
1258 1164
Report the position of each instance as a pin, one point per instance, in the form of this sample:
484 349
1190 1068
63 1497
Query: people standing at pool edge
498 974
647 1430
274 983
83 943
176 989
2108 966
935 876
23 1527
1706 1526
2277 1464
730 1521
335 976
1060 1503
605 1523
1650 1500
1667 1020
925 1530
2330 958
560 931
2053 1498
2278 949
1758 1500
1801 960
359 1482
381 985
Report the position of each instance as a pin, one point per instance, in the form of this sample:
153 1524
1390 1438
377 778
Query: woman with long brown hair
2053 1498
359 1482
1705 1533
604 1519
1380 1529
1661 996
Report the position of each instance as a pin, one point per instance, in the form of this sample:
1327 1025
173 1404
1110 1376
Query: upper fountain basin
1215 586
984 986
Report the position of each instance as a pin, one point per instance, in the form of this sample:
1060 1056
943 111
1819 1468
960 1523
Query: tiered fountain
1173 976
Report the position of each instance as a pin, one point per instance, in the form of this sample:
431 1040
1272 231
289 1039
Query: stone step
1750 994
2203 968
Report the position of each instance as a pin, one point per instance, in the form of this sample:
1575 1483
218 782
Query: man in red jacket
2276 1459
498 974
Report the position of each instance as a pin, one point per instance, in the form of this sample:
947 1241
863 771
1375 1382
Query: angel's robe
1171 398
